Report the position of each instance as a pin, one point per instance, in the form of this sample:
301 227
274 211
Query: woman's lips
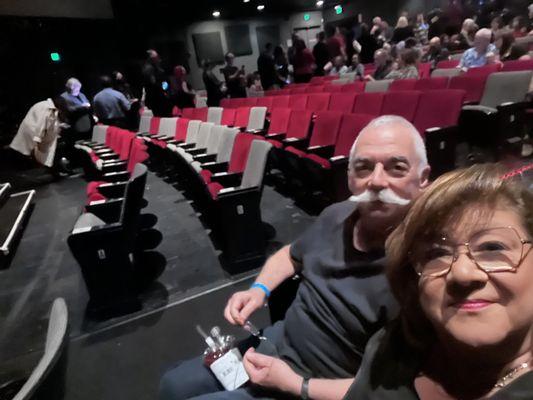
472 305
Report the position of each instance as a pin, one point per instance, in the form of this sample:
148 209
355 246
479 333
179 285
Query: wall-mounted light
260 7
338 9
245 1
216 14
320 3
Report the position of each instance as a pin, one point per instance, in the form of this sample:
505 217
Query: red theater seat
436 83
402 103
402 84
369 103
342 102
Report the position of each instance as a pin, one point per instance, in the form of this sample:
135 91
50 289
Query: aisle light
260 7
320 3
216 14
245 1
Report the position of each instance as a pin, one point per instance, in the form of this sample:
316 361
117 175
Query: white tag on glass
229 370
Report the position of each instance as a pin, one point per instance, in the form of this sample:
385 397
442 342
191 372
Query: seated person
339 67
435 52
461 265
383 63
476 56
407 66
342 298
111 106
357 67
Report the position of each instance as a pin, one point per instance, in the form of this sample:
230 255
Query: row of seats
221 169
105 238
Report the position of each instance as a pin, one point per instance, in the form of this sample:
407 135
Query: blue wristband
262 287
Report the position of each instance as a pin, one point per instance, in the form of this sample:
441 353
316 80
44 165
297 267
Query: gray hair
71 83
420 147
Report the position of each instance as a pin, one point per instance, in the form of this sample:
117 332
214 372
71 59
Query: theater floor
121 357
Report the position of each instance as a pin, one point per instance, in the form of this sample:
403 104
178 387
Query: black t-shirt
344 298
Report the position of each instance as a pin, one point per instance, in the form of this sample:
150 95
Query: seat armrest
322 151
235 193
276 136
227 179
103 151
203 158
508 107
107 210
113 190
338 160
193 152
186 146
295 142
257 131
117 176
215 167
477 109
114 167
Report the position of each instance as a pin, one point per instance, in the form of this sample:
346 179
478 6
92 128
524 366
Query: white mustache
385 196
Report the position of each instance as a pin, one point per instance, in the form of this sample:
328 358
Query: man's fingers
247 310
258 360
228 316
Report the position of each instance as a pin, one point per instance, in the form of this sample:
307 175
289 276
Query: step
13 215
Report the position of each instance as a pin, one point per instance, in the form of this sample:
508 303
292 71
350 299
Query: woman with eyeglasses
461 266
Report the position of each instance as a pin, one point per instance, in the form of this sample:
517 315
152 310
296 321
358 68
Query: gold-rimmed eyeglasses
492 250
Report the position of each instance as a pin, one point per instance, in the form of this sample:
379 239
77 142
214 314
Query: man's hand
271 372
242 304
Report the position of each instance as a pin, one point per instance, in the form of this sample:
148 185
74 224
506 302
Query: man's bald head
482 39
434 42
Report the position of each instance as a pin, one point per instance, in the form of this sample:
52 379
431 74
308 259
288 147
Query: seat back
225 146
484 70
228 117
318 102
517 65
154 125
378 86
126 139
274 92
473 86
438 109
298 90
214 115
350 127
369 103
99 133
225 103
240 151
265 102
213 141
182 125
133 200
447 64
138 154
299 123
200 113
256 119
203 134
449 72
56 339
188 113
167 126
502 87
298 101
192 131
280 101
402 103
279 120
314 89
342 102
357 87
242 116
333 88
424 70
403 84
256 164
326 128
436 83
144 123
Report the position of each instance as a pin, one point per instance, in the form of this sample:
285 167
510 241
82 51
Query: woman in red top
304 63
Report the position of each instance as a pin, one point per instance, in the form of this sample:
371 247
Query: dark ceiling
195 10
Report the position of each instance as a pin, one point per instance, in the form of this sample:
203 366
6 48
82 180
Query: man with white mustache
343 297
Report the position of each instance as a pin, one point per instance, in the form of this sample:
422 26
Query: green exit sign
55 57
338 9
307 17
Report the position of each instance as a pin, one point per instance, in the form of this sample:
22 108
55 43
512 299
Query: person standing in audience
155 86
461 266
368 43
402 30
407 66
180 93
421 29
267 68
343 298
111 106
321 53
282 65
477 55
234 77
121 84
336 46
465 38
214 87
504 41
304 63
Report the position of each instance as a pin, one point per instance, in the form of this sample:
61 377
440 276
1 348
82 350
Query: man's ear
424 177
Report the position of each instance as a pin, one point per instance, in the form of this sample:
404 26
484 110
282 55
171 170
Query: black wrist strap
304 391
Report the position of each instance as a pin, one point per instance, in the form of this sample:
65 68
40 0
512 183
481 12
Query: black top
344 298
383 70
267 70
390 366
235 86
321 54
212 87
402 34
